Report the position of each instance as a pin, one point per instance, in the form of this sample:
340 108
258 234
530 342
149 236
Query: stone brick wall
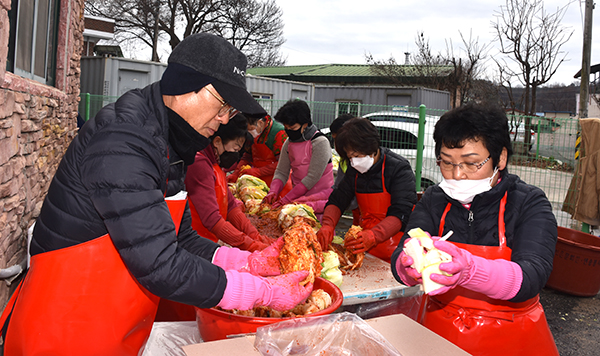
37 123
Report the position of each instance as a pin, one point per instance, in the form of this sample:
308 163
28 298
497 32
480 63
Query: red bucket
576 267
217 325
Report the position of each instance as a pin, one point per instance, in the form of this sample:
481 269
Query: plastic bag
167 338
334 334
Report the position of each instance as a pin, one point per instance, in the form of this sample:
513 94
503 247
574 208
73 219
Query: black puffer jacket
531 230
113 179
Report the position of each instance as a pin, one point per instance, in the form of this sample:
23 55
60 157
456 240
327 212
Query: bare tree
530 41
448 71
253 26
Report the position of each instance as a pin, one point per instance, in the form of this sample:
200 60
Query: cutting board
371 282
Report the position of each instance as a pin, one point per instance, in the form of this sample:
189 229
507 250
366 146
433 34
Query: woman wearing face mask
268 136
502 246
306 157
215 212
383 184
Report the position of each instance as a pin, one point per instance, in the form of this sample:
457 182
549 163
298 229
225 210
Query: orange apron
373 209
484 326
81 300
221 191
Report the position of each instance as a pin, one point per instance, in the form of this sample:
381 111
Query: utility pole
584 90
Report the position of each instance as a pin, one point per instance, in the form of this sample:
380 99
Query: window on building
348 107
33 39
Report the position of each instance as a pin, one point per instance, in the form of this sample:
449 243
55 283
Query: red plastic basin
216 324
576 267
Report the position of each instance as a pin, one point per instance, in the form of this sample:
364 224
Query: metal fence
546 160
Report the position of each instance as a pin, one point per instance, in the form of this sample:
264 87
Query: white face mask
254 133
465 190
362 164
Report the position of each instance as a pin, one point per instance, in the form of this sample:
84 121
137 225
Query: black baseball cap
202 59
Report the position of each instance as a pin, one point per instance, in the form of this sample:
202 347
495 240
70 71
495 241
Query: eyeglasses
225 108
466 167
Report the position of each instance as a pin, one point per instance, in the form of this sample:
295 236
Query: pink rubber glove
498 279
296 192
274 190
363 242
266 262
407 274
244 291
259 263
231 258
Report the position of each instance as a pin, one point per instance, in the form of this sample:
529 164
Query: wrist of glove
245 291
364 241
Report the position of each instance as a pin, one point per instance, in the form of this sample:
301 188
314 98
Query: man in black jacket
114 233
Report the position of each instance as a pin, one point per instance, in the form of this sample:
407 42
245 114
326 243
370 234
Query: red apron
373 208
81 300
484 326
221 191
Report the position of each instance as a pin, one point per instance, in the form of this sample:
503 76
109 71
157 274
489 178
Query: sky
343 31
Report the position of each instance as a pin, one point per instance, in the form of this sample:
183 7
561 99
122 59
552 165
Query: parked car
517 136
399 132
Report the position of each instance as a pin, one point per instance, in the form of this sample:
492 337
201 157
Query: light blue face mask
465 190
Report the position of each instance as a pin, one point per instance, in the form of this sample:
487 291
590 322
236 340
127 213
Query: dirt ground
574 322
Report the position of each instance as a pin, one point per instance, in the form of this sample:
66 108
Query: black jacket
399 182
530 225
113 179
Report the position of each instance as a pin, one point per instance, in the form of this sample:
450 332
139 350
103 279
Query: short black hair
293 112
359 135
338 122
487 124
236 127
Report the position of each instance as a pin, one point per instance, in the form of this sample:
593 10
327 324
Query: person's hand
325 236
281 202
270 198
363 242
265 262
407 274
252 171
233 177
286 291
252 245
460 268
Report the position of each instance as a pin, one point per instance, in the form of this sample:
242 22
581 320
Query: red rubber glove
245 291
407 274
266 262
274 190
296 192
226 232
364 241
331 216
241 222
